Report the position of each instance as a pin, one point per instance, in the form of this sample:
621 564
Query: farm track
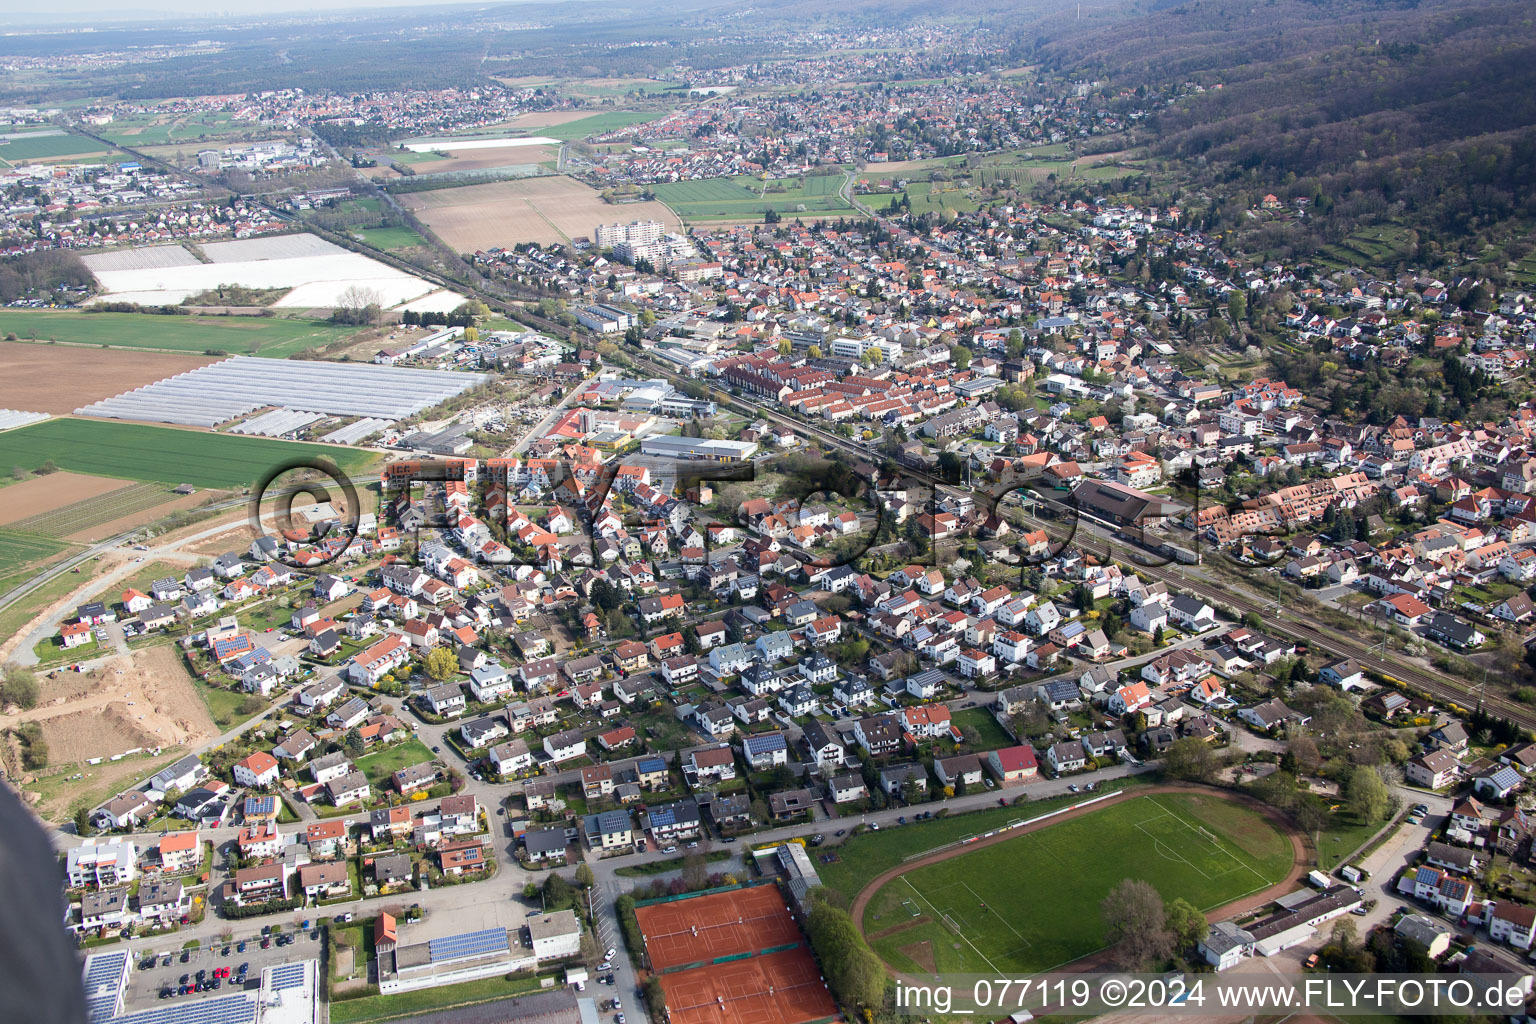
1100 958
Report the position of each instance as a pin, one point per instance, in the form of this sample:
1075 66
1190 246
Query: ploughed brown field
547 210
61 378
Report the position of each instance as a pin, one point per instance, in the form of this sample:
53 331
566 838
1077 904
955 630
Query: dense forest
1420 114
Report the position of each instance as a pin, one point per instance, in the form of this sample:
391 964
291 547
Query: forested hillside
1421 115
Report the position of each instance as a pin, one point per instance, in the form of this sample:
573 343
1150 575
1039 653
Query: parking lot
145 984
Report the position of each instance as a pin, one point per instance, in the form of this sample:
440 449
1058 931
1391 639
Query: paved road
107 584
537 430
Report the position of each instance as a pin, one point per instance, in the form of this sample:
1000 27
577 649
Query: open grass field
1379 248
164 129
273 337
547 210
1032 903
989 733
42 147
380 766
1524 271
134 451
743 197
936 197
390 238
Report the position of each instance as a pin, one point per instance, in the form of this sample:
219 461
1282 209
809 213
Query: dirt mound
146 699
921 953
103 732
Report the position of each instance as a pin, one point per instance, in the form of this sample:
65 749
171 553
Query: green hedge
236 913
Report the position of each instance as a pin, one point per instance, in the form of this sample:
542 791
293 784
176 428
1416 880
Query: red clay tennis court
780 988
716 925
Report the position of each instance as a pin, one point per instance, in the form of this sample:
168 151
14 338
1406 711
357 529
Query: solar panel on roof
490 940
101 1008
237 1008
103 968
288 976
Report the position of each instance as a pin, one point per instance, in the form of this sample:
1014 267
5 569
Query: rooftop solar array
288 976
277 422
223 391
355 432
236 1008
455 947
100 1007
105 974
104 969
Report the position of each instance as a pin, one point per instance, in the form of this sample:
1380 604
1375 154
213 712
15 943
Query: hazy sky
118 11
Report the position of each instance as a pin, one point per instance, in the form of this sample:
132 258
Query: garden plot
317 272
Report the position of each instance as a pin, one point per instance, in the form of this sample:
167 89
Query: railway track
1294 624
1321 637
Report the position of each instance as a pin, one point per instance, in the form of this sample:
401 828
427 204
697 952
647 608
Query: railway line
1321 637
1294 624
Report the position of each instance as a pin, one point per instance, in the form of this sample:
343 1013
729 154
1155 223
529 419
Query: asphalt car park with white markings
170 972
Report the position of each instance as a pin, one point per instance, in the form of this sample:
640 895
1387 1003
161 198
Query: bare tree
358 305
1136 925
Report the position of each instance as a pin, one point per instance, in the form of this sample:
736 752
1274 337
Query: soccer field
273 337
160 454
1032 903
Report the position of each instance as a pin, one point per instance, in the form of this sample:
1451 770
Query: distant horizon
71 13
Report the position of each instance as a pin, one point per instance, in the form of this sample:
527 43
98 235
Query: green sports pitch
1033 903
272 337
135 451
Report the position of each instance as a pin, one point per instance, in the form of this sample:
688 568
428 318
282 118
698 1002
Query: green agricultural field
1032 903
40 146
19 551
135 451
272 337
597 124
743 197
406 157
